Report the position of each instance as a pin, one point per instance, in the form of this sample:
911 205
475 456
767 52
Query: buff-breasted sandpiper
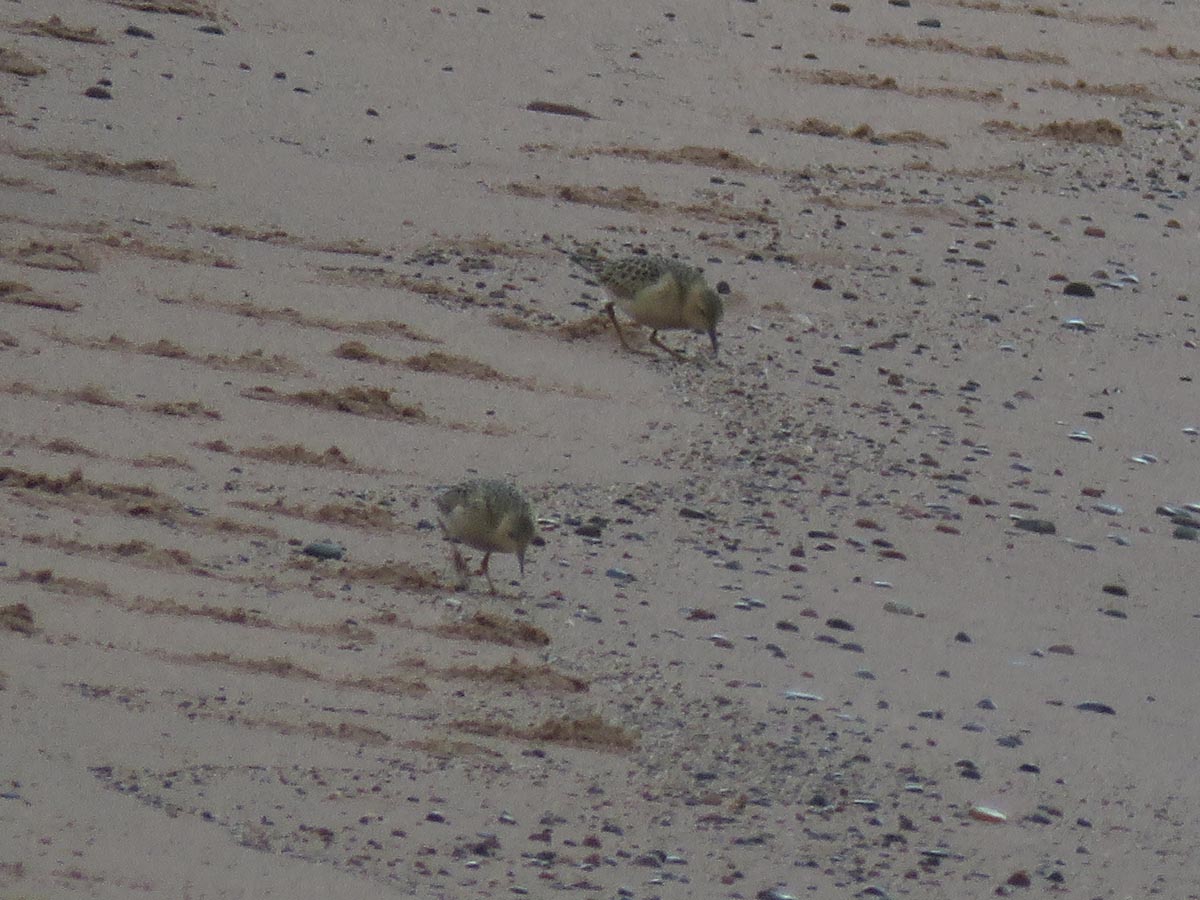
657 292
492 516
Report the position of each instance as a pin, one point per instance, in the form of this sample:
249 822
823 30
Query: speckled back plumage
626 276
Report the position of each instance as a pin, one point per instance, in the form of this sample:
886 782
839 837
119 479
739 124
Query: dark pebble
839 7
963 638
1116 590
211 29
1030 768
839 624
1037 526
1186 533
323 550
688 513
1010 741
620 575
1092 706
134 31
930 23
98 93
1079 289
1115 613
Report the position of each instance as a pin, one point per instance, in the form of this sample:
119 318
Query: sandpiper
657 292
492 516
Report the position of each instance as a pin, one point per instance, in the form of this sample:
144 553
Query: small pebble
1037 526
620 575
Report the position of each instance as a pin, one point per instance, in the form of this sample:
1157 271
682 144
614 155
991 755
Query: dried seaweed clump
1095 131
14 62
17 617
452 364
496 629
375 403
587 733
54 27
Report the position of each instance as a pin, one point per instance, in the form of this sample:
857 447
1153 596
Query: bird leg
483 570
460 566
611 309
657 343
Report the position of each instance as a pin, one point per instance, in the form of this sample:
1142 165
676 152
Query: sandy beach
895 597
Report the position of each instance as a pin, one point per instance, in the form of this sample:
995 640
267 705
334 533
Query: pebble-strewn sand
914 555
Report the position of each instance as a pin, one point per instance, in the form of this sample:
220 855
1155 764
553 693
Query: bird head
704 310
521 531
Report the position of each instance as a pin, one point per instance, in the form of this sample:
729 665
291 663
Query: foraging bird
659 293
492 516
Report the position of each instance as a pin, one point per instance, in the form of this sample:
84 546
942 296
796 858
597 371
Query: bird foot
654 339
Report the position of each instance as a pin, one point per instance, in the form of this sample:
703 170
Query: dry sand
274 272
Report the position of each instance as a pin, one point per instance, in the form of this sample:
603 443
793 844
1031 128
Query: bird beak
712 336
